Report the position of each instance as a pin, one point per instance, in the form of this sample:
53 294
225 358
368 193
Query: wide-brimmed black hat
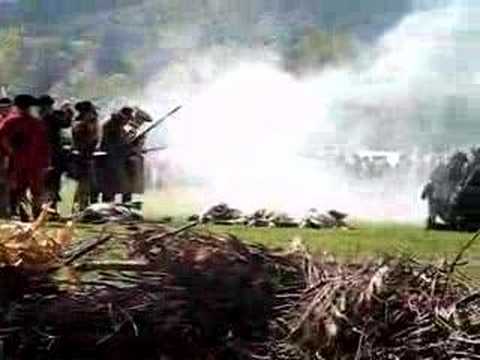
46 100
25 101
126 111
5 102
85 106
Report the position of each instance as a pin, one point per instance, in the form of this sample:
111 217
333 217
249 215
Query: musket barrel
154 149
155 124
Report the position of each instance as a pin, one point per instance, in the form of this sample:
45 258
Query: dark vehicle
453 195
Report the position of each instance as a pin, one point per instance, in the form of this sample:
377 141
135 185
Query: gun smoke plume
248 128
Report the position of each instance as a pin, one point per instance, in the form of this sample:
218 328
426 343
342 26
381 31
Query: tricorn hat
24 101
85 106
126 111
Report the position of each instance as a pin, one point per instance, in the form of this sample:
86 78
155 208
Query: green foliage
316 48
120 41
53 11
104 86
11 42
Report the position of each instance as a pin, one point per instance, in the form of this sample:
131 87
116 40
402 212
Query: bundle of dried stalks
185 296
393 309
190 295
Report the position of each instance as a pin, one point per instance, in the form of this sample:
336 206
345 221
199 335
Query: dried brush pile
185 294
393 309
181 295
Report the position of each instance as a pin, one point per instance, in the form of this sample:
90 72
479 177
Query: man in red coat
23 139
6 105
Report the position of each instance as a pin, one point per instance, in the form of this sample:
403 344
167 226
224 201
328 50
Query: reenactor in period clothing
116 144
55 121
136 158
85 128
6 105
124 163
23 140
85 138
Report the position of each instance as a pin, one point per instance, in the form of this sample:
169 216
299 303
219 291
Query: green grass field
368 240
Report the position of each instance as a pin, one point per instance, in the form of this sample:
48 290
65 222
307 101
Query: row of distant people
364 167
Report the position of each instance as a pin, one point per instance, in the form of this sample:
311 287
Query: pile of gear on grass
220 214
223 214
185 294
103 213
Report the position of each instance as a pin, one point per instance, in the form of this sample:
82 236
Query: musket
141 134
149 150
153 149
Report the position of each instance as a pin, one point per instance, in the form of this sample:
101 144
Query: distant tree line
111 46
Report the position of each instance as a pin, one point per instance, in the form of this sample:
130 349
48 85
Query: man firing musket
155 124
123 141
138 119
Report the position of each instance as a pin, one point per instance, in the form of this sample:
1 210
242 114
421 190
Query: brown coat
85 133
123 170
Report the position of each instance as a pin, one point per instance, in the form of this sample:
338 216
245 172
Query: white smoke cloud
247 124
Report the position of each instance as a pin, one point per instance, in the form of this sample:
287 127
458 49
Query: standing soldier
85 136
136 160
55 121
115 143
124 164
85 130
5 108
23 140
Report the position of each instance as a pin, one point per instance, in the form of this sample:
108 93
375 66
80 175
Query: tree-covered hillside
104 47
